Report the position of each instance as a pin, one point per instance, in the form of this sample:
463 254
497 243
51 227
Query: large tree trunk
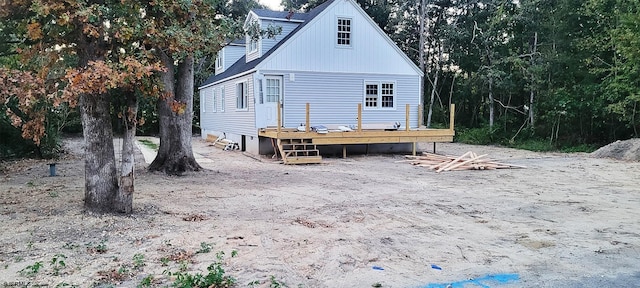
124 199
175 109
101 181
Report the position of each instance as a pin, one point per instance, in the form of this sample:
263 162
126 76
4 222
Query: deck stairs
299 151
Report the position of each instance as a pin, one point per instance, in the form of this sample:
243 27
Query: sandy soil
565 221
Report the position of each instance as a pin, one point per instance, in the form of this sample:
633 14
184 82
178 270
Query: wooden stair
299 151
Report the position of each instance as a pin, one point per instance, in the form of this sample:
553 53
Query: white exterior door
272 98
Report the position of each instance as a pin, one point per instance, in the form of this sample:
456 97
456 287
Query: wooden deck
285 136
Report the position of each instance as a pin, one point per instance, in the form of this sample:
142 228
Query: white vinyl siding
267 43
338 103
214 101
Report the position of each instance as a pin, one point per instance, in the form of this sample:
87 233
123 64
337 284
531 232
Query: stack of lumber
468 161
226 144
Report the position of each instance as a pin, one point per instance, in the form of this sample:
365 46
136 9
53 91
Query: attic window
219 60
344 32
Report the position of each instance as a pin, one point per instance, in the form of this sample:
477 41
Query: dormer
229 54
262 19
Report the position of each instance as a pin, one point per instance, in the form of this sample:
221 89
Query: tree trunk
491 112
532 92
422 18
175 109
431 99
124 199
435 87
101 181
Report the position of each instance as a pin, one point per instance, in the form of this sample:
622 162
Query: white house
334 58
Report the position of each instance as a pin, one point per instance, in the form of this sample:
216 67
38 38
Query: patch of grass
586 148
146 281
215 276
138 261
536 145
275 283
31 270
476 136
149 144
57 263
99 248
204 248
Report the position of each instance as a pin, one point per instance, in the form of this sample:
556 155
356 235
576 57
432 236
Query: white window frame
222 102
253 45
203 100
220 60
380 95
349 33
242 101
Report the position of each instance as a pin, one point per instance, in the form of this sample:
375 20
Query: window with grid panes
387 95
344 32
371 96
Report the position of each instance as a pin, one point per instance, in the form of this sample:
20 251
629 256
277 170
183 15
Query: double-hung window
203 100
344 32
242 96
222 102
379 95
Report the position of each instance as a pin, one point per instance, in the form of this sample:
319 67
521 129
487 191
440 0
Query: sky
271 4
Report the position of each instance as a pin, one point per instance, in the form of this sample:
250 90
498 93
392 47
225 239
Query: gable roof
240 67
281 15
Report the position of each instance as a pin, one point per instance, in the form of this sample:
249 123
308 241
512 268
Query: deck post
344 151
279 117
413 150
452 117
406 123
306 127
359 117
420 116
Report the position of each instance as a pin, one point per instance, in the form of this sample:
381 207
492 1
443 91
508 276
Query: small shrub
216 276
204 248
57 263
138 261
31 270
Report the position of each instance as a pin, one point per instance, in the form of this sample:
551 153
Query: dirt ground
567 220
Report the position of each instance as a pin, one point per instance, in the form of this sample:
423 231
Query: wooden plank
454 161
406 122
359 117
465 162
306 127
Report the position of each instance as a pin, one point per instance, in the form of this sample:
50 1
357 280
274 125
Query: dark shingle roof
264 13
240 66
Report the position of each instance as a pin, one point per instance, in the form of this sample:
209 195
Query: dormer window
344 32
253 45
219 60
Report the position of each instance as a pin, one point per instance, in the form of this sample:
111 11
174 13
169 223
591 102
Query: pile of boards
468 161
